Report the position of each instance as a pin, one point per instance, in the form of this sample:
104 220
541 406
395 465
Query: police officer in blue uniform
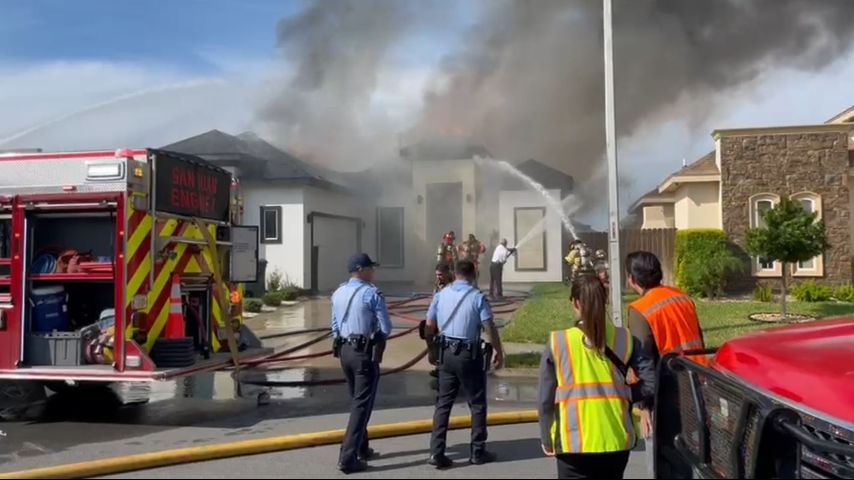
360 327
455 317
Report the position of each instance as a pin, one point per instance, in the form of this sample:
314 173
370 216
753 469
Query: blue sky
166 32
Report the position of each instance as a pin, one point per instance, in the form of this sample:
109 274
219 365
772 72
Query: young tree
790 235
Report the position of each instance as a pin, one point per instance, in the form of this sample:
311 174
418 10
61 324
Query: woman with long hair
585 401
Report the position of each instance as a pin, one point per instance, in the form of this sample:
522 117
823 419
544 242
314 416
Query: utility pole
613 187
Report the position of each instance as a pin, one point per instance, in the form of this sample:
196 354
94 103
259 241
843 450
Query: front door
336 239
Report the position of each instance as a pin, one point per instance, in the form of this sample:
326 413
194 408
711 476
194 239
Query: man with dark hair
664 319
456 315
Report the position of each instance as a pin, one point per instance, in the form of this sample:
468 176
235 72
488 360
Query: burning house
311 219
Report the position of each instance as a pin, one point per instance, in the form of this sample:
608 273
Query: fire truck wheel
173 350
174 361
181 347
174 357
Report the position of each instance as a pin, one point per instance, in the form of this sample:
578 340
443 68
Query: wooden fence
660 241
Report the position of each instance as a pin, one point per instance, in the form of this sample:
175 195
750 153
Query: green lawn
522 360
548 309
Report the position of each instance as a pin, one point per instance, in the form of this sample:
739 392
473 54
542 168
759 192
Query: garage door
335 239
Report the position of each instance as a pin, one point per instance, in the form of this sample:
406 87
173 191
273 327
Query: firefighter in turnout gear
585 403
471 250
447 251
580 260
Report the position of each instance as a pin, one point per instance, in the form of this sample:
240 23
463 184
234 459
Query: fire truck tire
173 344
174 356
186 350
175 361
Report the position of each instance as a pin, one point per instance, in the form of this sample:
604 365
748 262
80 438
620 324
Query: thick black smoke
334 53
526 81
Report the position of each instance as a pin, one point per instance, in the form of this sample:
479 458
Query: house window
759 204
531 255
811 203
271 224
390 237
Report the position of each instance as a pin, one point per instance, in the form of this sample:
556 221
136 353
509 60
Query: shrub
275 281
812 292
253 305
289 294
273 299
762 294
845 293
704 261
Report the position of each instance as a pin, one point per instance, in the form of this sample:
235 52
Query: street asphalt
517 448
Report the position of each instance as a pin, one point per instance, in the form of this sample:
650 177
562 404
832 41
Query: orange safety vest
673 320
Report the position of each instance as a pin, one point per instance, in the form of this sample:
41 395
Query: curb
517 373
145 461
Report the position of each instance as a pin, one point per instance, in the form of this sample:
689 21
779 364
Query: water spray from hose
553 203
108 103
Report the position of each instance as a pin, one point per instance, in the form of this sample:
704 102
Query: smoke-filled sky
344 82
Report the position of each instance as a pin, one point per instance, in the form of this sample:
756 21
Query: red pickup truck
773 404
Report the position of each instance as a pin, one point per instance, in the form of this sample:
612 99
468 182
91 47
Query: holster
487 351
336 347
377 348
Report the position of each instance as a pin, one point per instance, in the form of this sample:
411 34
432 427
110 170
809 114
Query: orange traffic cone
175 327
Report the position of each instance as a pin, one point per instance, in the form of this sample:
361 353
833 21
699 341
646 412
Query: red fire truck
98 249
775 404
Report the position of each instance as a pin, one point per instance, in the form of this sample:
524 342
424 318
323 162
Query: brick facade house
753 169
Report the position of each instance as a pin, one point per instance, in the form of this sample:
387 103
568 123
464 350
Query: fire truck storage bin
58 349
50 309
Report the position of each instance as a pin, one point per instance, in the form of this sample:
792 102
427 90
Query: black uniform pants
363 377
460 372
496 280
592 465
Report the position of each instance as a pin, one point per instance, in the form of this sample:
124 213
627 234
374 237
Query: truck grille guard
710 425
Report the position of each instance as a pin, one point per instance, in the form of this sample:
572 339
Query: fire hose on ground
167 458
282 357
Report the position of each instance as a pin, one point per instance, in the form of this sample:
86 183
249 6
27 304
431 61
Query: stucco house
749 171
311 219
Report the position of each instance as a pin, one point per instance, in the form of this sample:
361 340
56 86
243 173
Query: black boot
355 467
482 457
441 462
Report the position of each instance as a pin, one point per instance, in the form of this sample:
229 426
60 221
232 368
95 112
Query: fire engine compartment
712 425
89 293
68 240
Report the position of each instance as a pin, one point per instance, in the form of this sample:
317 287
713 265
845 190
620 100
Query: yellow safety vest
593 413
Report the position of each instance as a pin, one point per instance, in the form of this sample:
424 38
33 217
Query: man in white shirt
496 269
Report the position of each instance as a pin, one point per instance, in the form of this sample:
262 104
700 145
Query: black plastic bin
58 349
